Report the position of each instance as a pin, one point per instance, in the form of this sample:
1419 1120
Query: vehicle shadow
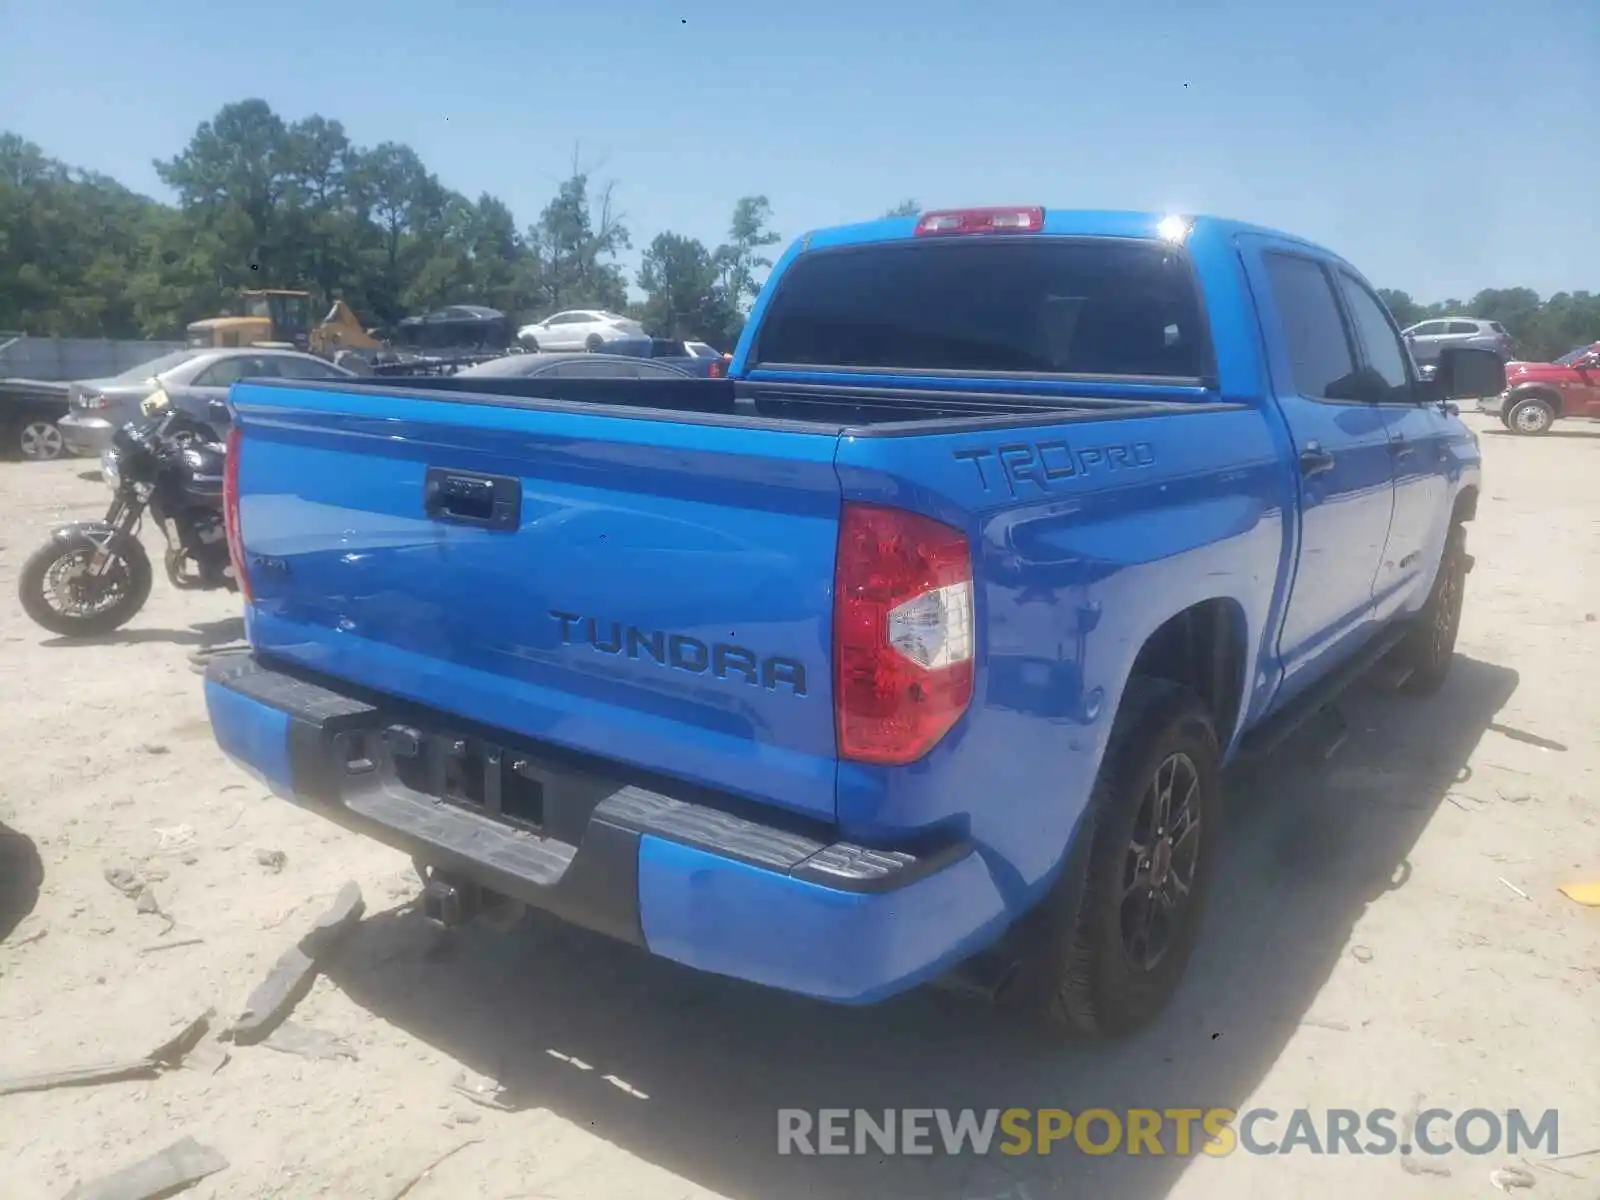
1590 432
201 633
687 1071
21 876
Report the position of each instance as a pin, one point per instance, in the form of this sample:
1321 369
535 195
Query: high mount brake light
230 514
903 633
981 220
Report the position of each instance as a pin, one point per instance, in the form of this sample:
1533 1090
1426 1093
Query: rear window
157 365
1104 306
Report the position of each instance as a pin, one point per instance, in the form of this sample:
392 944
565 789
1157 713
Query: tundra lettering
682 652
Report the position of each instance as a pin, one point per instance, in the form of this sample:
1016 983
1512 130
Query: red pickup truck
1537 393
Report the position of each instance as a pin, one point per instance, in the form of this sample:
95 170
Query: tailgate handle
467 498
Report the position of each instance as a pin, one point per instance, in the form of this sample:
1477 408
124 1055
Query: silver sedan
192 378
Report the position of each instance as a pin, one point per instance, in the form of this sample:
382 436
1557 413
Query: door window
1462 327
1429 329
1319 349
230 370
1385 371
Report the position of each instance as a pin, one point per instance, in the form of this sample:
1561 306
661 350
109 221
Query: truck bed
635 569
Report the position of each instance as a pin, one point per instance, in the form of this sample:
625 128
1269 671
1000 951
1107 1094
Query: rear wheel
1531 417
60 593
38 439
1430 646
1106 951
593 342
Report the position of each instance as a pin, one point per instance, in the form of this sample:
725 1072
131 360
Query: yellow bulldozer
279 318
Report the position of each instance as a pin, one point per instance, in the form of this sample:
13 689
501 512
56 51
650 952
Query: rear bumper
689 876
85 435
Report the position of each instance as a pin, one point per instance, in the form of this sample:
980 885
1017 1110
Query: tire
1430 646
37 438
531 345
1081 969
1531 417
31 583
593 343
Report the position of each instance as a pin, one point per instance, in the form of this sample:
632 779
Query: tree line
264 202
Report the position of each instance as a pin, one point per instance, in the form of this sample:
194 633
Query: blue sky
1441 147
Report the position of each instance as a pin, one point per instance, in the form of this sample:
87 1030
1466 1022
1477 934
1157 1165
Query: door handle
1314 460
1401 448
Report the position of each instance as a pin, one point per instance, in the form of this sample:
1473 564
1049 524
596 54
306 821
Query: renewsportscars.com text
1176 1131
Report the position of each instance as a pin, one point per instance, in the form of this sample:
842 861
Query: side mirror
1466 373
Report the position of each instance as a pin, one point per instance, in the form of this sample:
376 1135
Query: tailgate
652 591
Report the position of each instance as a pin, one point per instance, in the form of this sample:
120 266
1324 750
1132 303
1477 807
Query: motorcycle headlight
109 470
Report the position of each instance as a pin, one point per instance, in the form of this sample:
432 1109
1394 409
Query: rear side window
1387 378
1319 350
1110 307
230 370
305 368
1462 327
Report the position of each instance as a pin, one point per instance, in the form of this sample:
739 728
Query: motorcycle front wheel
60 593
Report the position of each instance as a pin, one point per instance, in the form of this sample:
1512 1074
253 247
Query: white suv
578 329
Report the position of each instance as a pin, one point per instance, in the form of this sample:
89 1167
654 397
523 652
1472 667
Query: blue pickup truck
912 650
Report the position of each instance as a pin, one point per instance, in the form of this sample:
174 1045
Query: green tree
683 292
739 259
906 208
573 248
70 243
1405 310
233 181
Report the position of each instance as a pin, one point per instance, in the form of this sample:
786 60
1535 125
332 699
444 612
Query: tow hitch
450 902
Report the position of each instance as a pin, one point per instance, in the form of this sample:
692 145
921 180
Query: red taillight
981 220
230 513
903 633
718 369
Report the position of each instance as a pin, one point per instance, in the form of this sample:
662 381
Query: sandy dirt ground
1387 928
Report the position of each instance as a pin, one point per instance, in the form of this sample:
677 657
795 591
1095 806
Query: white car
578 329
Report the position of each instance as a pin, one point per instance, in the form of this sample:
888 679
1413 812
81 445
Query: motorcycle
92 577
